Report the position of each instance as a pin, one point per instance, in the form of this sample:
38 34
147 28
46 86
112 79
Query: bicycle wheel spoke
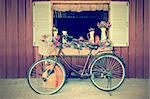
117 73
42 66
111 74
105 62
97 67
99 64
43 84
113 63
118 68
96 70
36 76
109 62
35 72
102 61
117 76
109 84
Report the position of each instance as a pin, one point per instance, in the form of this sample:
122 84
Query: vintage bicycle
48 75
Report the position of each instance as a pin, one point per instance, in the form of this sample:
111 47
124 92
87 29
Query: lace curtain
80 7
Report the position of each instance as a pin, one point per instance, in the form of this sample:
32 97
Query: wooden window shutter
119 18
42 24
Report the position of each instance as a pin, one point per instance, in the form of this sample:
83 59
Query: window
118 15
78 23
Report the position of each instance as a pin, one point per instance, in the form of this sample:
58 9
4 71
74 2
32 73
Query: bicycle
48 75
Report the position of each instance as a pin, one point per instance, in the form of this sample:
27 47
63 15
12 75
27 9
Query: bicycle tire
51 85
102 74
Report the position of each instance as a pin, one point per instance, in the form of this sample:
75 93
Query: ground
75 89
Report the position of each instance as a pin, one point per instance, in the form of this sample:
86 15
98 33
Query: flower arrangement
104 24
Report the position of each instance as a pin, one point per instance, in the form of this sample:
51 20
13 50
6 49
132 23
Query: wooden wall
17 52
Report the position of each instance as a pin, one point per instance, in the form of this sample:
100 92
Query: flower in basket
108 25
103 24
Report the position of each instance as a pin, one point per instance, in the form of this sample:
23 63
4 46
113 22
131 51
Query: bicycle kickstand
110 93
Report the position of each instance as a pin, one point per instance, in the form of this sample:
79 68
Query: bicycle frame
60 55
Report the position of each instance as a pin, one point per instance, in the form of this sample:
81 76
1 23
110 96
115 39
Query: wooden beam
80 2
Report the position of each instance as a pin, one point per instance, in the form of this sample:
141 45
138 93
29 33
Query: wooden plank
36 55
117 51
22 38
40 0
3 40
12 39
120 0
139 41
132 39
75 0
81 60
74 62
125 56
29 34
68 59
146 38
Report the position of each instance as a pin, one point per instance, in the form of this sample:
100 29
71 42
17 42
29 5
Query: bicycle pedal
44 79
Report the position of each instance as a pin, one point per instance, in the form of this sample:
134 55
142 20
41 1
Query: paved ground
75 89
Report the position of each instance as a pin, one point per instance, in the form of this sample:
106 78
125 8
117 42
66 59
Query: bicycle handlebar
79 44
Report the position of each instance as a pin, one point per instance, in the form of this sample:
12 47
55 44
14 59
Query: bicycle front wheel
107 72
46 76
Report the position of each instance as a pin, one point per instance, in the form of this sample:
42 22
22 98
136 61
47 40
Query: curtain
80 7
101 15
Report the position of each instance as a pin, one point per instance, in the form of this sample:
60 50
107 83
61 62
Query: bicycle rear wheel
107 72
46 77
